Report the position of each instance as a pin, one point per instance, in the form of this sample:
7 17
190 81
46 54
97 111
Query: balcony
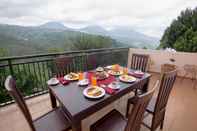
181 112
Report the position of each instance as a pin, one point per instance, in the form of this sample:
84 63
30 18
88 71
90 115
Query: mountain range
54 25
21 40
123 34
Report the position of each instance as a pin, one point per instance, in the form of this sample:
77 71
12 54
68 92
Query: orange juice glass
116 68
125 71
80 76
113 67
94 81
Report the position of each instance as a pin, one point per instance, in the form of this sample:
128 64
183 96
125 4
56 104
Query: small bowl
99 69
114 85
83 82
53 81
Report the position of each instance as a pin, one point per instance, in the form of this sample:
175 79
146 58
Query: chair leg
152 124
130 102
195 84
183 77
161 126
194 79
128 108
152 129
162 122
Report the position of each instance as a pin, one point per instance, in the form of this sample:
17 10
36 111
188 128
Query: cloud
148 16
20 8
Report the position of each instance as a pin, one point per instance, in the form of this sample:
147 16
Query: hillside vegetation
125 35
182 33
18 40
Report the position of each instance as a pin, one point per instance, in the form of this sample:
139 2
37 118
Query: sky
150 17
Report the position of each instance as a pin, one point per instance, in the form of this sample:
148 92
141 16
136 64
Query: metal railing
32 71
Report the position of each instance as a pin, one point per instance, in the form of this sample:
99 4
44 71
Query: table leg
53 99
145 87
76 126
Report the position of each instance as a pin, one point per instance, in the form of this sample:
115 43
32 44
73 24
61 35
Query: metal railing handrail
60 53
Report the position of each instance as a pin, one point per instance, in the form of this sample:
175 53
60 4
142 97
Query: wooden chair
114 121
92 61
63 65
167 68
54 120
157 105
192 71
139 91
139 62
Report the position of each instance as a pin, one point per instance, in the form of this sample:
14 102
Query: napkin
63 81
110 91
136 75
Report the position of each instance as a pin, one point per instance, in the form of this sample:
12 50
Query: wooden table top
76 106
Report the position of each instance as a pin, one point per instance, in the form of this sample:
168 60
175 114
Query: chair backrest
167 68
136 116
10 85
63 65
139 62
166 83
190 68
92 61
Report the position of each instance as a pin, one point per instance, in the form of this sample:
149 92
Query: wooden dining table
77 107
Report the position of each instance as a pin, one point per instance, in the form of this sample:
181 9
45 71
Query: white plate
83 82
115 87
108 67
93 97
66 77
53 81
139 72
111 72
107 75
124 80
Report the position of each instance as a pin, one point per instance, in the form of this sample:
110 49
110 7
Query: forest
182 33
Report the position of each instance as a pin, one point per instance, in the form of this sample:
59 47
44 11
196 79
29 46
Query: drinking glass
80 76
94 81
116 68
125 71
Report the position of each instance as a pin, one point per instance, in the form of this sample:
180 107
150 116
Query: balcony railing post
10 67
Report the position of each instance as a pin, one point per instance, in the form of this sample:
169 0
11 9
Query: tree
188 42
3 52
54 50
182 33
87 41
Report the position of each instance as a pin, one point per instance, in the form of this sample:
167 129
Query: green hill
19 40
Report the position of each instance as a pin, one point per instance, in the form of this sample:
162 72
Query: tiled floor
181 112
